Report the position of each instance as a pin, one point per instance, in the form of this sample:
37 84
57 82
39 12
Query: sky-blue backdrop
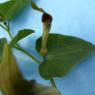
71 17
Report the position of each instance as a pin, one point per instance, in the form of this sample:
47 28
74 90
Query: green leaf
10 8
3 41
63 53
35 7
21 34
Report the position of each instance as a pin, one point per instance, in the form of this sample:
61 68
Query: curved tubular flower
47 22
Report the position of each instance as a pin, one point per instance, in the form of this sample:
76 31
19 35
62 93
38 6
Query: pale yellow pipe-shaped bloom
47 22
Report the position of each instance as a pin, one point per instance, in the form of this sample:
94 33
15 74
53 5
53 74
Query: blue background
71 17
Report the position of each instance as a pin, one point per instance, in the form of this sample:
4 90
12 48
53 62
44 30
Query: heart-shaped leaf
10 8
63 53
21 34
3 41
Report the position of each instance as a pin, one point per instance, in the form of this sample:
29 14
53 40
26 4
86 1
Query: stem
52 80
53 83
27 53
3 27
9 34
8 30
18 47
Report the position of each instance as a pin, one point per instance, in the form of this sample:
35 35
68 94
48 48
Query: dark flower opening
46 18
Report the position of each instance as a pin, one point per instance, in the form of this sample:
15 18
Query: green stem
8 31
3 27
52 80
54 85
27 53
18 47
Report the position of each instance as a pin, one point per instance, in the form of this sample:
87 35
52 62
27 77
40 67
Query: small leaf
63 53
35 7
21 34
3 41
10 8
